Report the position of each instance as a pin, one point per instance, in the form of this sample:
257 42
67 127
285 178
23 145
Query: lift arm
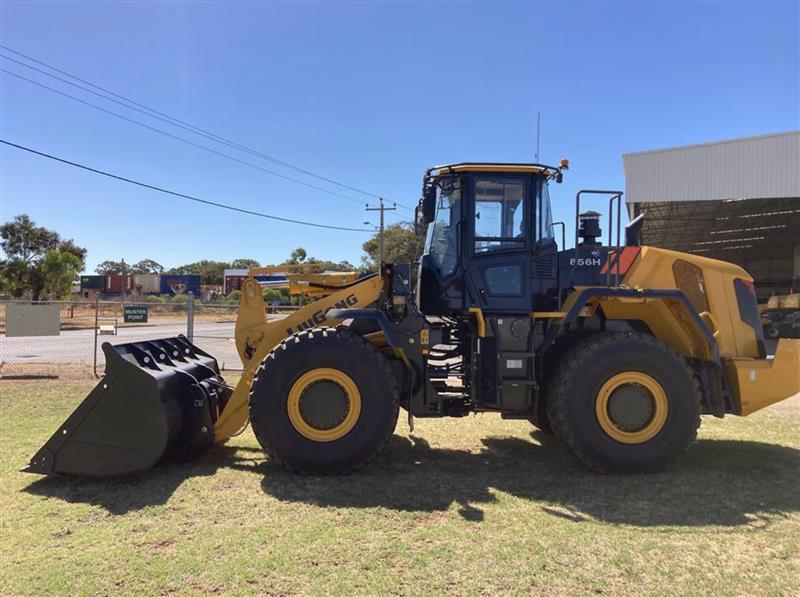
256 335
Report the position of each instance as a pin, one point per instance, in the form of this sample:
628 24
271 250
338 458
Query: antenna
538 134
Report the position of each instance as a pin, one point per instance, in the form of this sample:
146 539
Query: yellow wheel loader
616 348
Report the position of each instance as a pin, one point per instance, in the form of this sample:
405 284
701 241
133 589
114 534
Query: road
77 346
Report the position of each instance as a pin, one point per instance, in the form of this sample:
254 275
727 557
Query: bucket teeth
157 398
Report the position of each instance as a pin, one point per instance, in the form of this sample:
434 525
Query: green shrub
272 295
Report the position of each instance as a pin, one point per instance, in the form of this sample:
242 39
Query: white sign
32 320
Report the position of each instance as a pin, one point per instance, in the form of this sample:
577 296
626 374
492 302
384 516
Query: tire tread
356 342
569 367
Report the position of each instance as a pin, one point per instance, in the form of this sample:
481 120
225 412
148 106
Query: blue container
180 284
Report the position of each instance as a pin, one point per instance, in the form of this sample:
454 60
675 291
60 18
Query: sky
369 94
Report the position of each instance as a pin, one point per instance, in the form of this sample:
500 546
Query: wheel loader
617 349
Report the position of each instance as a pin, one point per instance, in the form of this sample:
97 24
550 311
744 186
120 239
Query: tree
69 246
210 272
37 260
59 269
110 268
25 241
400 245
244 264
297 256
300 257
147 266
14 277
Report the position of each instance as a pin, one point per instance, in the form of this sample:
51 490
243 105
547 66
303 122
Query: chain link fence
84 326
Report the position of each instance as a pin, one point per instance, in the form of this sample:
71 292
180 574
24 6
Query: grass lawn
478 505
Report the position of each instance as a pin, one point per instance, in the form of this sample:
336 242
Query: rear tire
624 402
541 420
324 401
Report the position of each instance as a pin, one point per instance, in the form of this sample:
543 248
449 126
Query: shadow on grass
718 482
119 495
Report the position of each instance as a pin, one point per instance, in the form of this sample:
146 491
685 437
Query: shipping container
180 284
117 284
233 283
93 282
233 278
147 283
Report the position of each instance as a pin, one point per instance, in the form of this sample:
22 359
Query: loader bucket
157 399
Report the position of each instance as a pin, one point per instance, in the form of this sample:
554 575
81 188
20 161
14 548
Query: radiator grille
545 267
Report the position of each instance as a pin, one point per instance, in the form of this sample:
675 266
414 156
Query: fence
84 326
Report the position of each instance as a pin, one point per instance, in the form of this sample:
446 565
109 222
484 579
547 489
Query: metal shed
737 200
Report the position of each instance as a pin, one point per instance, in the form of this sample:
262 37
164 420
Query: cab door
498 247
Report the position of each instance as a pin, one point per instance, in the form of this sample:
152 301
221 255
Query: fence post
96 316
190 317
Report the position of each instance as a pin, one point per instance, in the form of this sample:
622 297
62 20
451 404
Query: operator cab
489 238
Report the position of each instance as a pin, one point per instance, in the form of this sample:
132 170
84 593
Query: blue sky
370 94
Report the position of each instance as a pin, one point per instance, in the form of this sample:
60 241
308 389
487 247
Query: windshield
442 240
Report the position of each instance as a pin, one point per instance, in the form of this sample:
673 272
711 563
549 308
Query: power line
175 193
153 113
181 139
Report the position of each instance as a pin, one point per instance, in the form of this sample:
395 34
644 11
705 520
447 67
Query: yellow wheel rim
310 429
659 407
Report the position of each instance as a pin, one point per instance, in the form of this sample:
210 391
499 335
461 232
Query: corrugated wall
750 168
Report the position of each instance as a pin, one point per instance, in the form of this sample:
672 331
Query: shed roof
749 168
736 200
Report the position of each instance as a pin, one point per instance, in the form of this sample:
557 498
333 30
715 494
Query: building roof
749 168
736 200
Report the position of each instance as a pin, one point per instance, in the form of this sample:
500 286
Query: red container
233 283
117 284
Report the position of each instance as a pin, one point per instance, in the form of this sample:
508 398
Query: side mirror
419 220
429 204
426 210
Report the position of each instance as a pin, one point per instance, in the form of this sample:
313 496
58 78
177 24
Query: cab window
500 214
442 240
544 228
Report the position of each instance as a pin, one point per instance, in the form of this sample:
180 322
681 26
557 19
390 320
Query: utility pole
381 209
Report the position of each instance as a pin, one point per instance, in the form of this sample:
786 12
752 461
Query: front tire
324 401
624 402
